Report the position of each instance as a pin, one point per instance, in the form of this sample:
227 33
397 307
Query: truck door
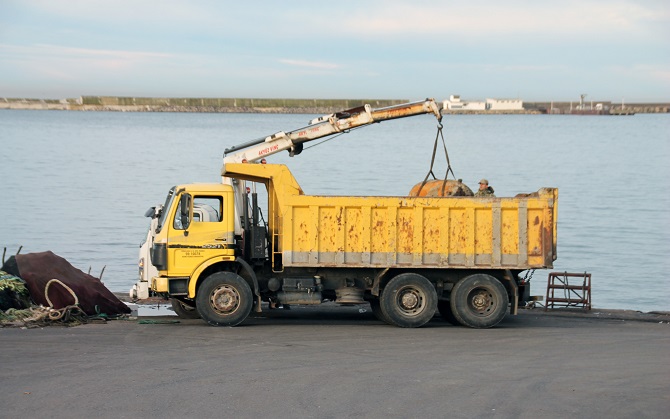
201 229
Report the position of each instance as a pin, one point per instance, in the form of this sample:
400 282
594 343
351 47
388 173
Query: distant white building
504 104
455 104
474 106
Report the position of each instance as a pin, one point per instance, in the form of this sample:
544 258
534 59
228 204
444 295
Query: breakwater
288 106
202 105
612 107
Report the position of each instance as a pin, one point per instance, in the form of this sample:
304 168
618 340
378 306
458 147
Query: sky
611 50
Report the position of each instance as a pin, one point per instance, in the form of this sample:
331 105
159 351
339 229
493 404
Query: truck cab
207 204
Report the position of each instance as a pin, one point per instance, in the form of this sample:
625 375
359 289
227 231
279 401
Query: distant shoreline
278 106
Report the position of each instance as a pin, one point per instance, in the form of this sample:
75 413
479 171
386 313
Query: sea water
78 183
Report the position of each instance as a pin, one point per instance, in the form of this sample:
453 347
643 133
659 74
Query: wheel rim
225 299
482 302
410 301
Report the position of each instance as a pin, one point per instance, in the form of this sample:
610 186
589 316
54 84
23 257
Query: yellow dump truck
408 257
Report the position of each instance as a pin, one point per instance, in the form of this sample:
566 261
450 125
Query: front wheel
184 310
409 300
224 299
479 301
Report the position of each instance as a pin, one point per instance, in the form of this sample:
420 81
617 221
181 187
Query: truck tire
409 300
377 311
479 301
224 299
183 310
444 307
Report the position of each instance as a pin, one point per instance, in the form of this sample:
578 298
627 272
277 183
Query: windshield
166 209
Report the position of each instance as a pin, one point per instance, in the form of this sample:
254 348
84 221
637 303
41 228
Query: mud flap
514 298
254 279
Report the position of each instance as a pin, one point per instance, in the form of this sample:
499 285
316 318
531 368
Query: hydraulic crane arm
255 150
324 126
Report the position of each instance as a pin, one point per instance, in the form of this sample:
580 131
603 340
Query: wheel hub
481 301
225 299
409 300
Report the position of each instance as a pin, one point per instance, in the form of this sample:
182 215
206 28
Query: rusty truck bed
443 232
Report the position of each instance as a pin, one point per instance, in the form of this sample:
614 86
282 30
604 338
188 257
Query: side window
207 209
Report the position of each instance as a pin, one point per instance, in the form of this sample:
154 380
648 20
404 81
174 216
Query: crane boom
255 150
324 126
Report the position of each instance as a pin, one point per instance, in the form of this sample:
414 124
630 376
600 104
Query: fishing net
60 293
13 292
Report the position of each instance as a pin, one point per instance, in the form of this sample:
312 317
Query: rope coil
58 281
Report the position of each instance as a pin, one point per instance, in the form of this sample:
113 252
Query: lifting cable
432 161
331 138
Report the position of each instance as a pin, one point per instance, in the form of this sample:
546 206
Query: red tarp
37 269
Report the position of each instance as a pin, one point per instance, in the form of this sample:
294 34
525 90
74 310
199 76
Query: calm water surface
78 183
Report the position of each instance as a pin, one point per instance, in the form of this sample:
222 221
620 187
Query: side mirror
151 212
184 210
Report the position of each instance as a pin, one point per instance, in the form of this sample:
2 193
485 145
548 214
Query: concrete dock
341 362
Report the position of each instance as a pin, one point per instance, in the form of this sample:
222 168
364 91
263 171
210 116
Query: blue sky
533 50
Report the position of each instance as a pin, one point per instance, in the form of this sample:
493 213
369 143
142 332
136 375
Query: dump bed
442 232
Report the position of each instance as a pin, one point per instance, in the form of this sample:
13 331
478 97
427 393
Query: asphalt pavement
339 362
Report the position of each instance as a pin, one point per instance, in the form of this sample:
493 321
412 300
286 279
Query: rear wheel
409 300
444 307
184 310
479 301
377 311
224 299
